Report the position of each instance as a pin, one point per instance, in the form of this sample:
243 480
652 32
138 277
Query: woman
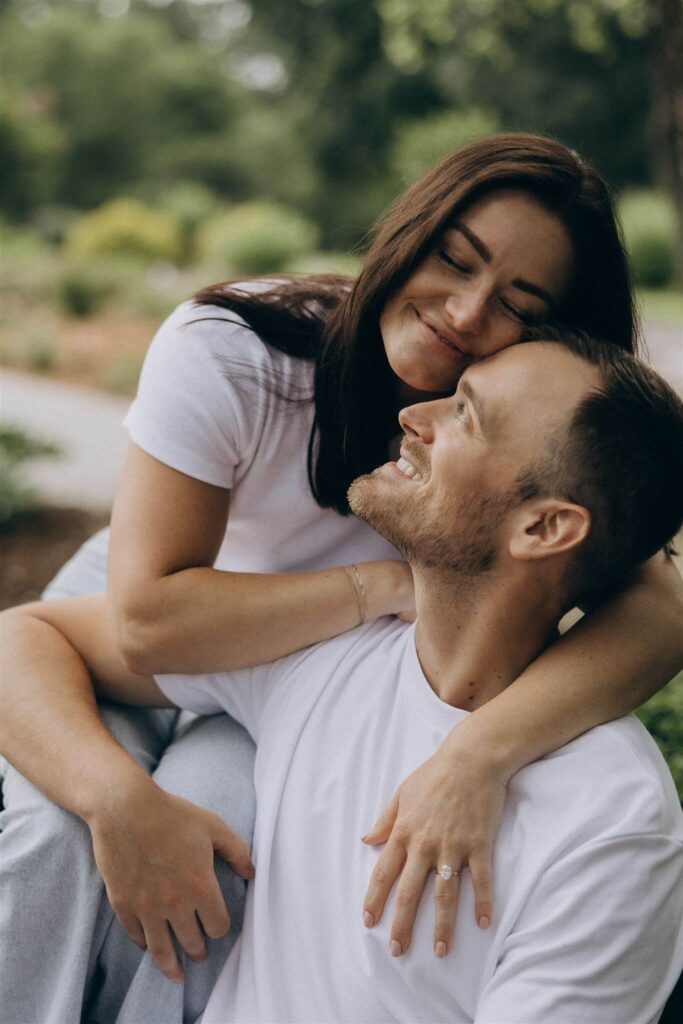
509 231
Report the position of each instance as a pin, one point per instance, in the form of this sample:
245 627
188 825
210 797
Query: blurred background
153 146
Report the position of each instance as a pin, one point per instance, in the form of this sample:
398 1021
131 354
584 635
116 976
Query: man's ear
548 526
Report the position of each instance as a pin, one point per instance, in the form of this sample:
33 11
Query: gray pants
63 956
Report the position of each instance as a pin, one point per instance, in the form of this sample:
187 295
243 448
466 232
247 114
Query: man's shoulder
610 781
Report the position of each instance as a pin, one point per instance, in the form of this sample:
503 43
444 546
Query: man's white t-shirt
588 867
209 406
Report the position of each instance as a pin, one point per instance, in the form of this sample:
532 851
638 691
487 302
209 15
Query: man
549 475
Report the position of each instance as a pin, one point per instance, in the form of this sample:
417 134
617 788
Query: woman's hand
155 853
447 811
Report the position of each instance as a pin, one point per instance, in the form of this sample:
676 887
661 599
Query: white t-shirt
588 866
208 406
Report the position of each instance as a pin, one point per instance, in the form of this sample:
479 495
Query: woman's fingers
408 895
482 883
446 905
380 831
161 949
386 871
189 935
213 913
132 928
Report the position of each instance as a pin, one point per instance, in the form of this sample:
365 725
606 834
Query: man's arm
154 850
599 940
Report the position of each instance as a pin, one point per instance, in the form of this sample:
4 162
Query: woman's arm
154 850
612 661
173 612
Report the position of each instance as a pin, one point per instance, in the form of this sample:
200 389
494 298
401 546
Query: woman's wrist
485 749
388 588
107 794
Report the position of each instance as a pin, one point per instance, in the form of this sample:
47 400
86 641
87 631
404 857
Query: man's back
588 867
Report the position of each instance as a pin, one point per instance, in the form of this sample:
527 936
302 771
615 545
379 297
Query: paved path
87 426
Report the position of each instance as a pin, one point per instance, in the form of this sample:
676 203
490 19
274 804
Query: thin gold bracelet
356 581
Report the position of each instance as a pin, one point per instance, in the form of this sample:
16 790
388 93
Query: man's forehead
544 369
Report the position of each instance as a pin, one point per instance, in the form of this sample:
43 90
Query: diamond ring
446 872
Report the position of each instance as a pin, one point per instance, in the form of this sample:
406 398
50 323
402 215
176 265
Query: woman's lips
434 331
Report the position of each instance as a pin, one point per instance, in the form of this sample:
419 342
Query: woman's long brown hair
335 321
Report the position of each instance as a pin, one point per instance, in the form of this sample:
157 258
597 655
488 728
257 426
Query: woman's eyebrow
533 289
474 241
485 253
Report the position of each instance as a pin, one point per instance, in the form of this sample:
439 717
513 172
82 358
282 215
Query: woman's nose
466 311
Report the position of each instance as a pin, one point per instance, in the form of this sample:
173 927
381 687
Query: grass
664 306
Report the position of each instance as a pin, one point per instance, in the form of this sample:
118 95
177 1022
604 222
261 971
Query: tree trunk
667 69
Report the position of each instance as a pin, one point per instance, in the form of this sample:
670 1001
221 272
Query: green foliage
40 355
419 144
125 227
256 238
123 373
31 145
16 498
663 716
189 203
649 224
83 288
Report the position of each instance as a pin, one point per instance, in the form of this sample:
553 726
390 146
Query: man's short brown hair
621 458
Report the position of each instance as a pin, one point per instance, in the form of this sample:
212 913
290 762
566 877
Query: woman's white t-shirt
209 405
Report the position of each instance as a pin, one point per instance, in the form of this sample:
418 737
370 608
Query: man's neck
475 637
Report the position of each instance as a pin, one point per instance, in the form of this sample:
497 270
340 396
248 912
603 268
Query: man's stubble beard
460 549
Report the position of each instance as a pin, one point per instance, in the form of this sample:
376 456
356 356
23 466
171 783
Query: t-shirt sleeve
191 412
245 693
598 942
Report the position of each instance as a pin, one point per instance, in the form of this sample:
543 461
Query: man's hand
444 813
155 853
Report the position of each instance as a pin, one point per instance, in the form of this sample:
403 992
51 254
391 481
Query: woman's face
506 262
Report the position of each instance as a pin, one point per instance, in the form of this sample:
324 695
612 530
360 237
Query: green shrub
125 227
326 263
256 238
16 498
189 204
663 716
84 287
40 355
419 144
649 226
122 375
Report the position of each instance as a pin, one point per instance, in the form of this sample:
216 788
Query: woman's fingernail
368 919
440 949
395 948
483 922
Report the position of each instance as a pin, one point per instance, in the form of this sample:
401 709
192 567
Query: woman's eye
523 318
452 263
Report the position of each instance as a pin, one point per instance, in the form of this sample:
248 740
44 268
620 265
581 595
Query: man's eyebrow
476 402
474 241
533 289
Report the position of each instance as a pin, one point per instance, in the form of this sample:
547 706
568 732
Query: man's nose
418 421
466 311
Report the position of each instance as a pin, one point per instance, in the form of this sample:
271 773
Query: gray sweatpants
63 956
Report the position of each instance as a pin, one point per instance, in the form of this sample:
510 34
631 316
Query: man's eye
452 263
461 412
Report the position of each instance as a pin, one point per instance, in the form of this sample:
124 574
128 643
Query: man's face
444 504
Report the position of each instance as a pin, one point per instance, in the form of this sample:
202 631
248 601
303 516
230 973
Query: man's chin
371 499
